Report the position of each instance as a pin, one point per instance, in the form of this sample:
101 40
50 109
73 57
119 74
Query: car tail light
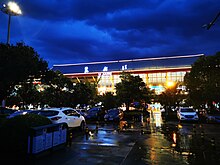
55 118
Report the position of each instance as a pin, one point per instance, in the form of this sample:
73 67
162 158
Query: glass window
48 113
156 77
70 113
176 76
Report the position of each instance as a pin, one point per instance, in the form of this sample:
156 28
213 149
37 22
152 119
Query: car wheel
82 126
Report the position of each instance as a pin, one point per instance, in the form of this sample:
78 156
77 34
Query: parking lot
138 142
134 145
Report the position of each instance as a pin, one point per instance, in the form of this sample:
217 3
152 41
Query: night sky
75 31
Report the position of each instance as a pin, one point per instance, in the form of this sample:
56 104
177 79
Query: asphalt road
138 145
134 145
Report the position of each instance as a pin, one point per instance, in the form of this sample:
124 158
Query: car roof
114 109
187 110
23 110
4 110
94 109
58 109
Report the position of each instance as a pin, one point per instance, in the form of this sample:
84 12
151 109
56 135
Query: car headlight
182 115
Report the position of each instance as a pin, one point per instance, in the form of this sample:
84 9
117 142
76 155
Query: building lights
170 84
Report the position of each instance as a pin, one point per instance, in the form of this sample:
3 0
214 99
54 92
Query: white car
187 114
65 114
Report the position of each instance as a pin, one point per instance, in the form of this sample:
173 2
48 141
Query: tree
56 97
84 93
109 101
57 80
58 90
171 97
148 96
203 82
131 89
18 63
28 94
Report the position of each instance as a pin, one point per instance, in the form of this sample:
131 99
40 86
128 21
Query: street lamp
12 9
208 26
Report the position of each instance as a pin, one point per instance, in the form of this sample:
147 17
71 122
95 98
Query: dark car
23 112
114 115
6 111
83 112
213 116
95 113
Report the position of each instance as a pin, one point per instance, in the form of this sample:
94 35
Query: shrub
14 133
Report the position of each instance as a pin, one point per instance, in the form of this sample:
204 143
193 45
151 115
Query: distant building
156 72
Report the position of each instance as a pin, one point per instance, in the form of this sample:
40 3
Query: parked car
83 112
65 114
6 111
23 112
213 116
187 114
114 115
95 113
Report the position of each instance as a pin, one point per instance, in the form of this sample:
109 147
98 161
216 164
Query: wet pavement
106 146
153 149
138 143
134 145
198 143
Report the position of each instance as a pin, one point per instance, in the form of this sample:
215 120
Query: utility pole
208 26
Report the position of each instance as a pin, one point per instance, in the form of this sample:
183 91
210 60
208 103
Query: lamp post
208 26
12 9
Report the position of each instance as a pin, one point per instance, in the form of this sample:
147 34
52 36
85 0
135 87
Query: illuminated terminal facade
155 72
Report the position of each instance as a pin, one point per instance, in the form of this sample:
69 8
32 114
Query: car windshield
47 113
94 111
70 113
187 110
21 112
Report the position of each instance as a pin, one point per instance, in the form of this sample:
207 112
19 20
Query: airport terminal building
155 72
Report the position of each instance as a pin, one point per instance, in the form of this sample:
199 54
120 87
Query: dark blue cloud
73 31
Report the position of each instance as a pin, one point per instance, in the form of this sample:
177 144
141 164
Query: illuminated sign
124 67
86 69
104 74
105 69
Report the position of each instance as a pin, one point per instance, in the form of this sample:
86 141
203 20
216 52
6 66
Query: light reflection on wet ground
193 142
175 145
155 149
